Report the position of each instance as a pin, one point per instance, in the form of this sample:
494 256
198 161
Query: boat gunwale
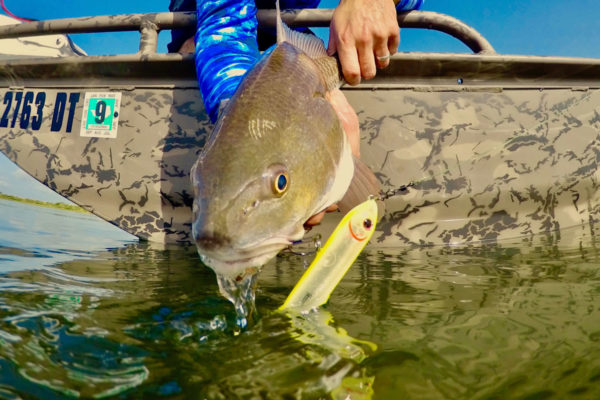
406 70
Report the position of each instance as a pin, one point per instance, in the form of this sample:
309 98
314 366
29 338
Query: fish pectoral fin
364 184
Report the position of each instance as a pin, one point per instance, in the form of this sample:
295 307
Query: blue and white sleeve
226 48
408 5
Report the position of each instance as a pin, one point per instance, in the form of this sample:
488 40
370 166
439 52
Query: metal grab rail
411 19
150 24
449 25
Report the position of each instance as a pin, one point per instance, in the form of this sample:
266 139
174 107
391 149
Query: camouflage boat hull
496 147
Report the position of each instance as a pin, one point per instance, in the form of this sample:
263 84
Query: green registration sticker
101 114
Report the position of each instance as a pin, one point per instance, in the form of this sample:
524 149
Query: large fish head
251 201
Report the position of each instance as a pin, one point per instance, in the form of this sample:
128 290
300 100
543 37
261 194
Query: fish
277 155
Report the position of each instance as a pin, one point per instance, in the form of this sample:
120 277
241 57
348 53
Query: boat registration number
96 114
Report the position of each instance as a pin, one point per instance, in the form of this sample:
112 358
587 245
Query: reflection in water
96 315
484 322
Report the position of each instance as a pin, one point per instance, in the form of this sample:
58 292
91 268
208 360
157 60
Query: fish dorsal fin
281 34
309 44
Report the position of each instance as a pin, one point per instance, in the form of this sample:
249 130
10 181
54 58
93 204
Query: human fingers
382 54
332 208
317 218
366 59
349 60
314 220
341 41
394 42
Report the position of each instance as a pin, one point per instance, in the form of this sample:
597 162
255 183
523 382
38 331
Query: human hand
317 218
360 32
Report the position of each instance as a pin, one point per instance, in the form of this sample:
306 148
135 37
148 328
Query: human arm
226 48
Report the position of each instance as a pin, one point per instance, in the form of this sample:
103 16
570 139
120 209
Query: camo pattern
138 181
487 163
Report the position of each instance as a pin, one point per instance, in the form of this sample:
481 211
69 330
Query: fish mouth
234 262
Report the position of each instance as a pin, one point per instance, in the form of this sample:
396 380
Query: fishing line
384 195
313 242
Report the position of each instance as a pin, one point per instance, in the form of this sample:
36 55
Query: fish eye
367 223
280 183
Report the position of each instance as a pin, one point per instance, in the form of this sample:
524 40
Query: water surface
88 312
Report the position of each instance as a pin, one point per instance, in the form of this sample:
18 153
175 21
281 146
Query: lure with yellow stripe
334 259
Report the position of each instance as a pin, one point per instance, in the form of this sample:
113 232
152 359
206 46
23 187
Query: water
87 312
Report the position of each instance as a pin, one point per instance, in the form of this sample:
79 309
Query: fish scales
272 107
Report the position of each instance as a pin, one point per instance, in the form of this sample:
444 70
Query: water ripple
95 316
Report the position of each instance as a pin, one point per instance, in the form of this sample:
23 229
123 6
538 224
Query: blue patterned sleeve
226 48
407 5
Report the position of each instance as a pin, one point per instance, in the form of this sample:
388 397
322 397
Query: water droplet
241 292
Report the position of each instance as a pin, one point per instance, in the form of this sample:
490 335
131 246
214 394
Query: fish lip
284 241
235 268
234 263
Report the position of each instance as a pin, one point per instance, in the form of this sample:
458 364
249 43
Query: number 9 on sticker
101 114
